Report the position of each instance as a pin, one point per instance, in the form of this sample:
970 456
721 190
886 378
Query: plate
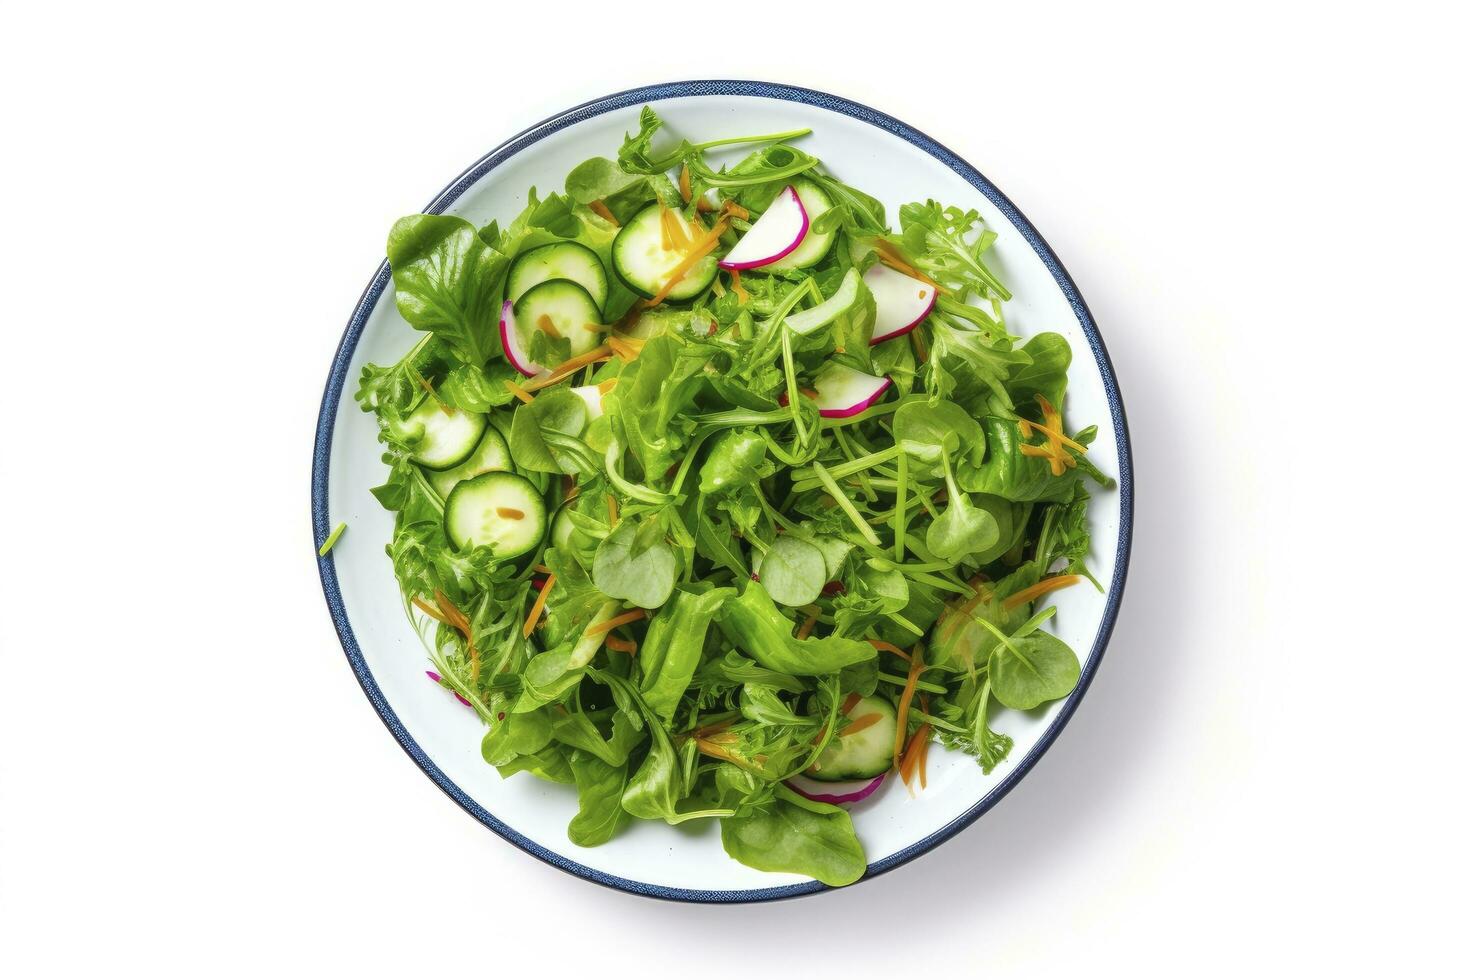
874 152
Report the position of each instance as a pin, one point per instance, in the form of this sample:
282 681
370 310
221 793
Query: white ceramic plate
871 151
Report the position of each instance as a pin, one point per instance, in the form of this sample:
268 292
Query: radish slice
774 235
843 392
835 793
902 301
510 341
592 395
440 681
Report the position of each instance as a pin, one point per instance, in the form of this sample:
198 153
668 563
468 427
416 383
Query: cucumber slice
559 260
572 312
863 754
443 439
490 455
642 262
499 511
813 247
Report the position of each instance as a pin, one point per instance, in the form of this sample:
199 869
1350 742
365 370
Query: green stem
901 506
847 508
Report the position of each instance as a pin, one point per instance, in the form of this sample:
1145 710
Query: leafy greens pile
726 568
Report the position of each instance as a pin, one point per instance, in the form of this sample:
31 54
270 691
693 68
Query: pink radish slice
440 681
902 301
835 793
510 341
843 392
774 235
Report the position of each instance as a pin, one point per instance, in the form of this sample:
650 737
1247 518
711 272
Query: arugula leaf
673 647
752 623
936 238
447 281
971 367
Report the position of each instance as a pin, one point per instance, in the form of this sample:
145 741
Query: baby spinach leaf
533 431
475 389
754 624
1007 473
636 564
673 647
516 734
793 571
600 813
1046 375
796 835
1028 670
447 281
734 460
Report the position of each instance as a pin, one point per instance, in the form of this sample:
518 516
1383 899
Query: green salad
718 495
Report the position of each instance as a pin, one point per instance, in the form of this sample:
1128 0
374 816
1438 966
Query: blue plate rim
337 379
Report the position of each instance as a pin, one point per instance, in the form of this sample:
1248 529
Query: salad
718 496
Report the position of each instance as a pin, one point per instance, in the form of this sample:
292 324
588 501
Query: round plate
874 152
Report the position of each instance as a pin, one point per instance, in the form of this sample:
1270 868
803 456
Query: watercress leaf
674 645
796 835
948 243
793 571
447 281
600 813
733 669
929 430
752 623
961 530
1029 670
643 574
970 366
734 460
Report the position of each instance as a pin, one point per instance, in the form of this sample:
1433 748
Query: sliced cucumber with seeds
644 264
490 456
441 438
559 260
863 754
500 511
814 247
561 308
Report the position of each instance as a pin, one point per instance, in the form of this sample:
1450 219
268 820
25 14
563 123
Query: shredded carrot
913 757
592 327
916 667
678 229
705 730
704 207
896 260
920 351
569 487
684 189
1027 425
710 749
608 625
702 247
806 627
424 383
1040 451
603 387
601 210
849 702
510 513
559 373
541 568
623 349
1040 589
621 645
666 240
924 748
430 610
887 647
519 392
735 211
538 605
740 292
612 510
548 326
858 724
460 622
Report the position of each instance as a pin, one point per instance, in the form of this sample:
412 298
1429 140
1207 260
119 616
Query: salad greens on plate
717 496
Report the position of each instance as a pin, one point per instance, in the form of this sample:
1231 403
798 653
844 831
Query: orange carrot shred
700 249
424 383
608 625
621 645
887 647
519 392
547 325
684 189
601 210
1040 589
542 569
612 510
806 627
736 211
603 387
849 703
740 292
916 667
538 605
429 610
559 373
858 724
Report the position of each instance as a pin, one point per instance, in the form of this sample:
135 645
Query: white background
1265 207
